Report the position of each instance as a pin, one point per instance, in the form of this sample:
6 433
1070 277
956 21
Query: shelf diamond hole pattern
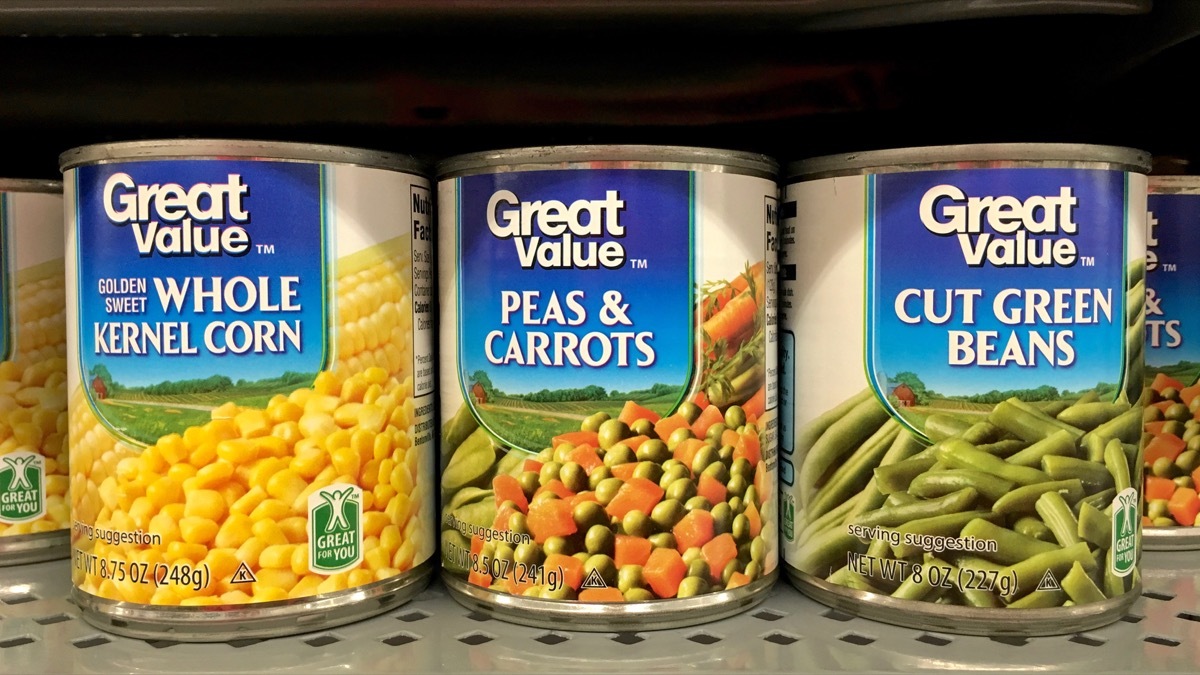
475 639
52 619
322 640
551 639
1164 641
703 638
414 615
16 642
1188 616
628 638
836 615
935 640
401 639
91 641
244 642
857 639
162 644
769 615
10 598
1086 640
783 639
1132 618
1011 640
479 616
1155 595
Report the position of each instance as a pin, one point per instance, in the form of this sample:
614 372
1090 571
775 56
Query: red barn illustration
905 397
99 388
479 394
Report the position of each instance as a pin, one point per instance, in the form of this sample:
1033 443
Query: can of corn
961 377
1172 416
251 397
608 336
34 513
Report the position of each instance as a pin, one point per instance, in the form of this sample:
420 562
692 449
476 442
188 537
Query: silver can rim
536 158
31 185
1173 185
188 148
919 158
1180 538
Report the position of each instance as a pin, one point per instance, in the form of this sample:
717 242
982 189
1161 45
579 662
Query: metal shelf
40 631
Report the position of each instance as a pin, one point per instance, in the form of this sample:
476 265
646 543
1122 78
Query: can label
33 366
611 332
971 437
1172 457
251 401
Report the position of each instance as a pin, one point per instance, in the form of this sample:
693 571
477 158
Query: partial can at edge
961 385
34 511
609 403
251 385
1172 426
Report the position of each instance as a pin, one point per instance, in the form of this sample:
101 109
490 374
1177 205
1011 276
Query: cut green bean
1029 572
899 499
1024 499
833 517
1094 476
912 589
1094 447
1058 443
841 438
1127 427
961 455
868 500
854 472
924 533
1011 547
897 477
1080 587
826 550
1032 526
1094 527
940 427
812 431
1088 416
1058 517
939 483
1039 600
978 564
898 515
1004 448
1118 464
1054 408
1101 500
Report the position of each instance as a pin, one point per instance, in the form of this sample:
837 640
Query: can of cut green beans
961 384
608 348
1172 428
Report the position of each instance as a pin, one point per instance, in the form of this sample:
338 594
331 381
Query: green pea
705 457
598 474
714 432
557 546
488 550
735 417
607 489
1164 522
1163 467
544 496
562 452
742 467
1192 423
637 524
648 470
1188 461
574 477
736 487
725 454
754 570
750 496
600 540
630 576
504 552
1194 442
582 556
1152 414
666 513
672 463
533 592
748 429
1189 433
741 528
589 514
654 450
673 474
546 455
663 540
744 553
602 564
507 504
619 454
1157 508
722 518
691 587
681 490
642 427
563 592
549 472
698 502
517 524
731 568
698 568
593 422
1169 394
1175 428
612 432
527 554
678 436
638 595
1184 482
718 471
693 553
688 411
1178 412
758 550
735 504
529 481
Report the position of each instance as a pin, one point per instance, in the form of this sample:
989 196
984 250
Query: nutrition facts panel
40 630
423 282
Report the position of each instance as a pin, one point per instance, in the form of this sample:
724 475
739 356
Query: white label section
36 222
423 290
771 262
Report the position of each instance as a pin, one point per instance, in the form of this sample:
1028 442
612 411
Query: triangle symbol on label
1049 583
594 580
243 575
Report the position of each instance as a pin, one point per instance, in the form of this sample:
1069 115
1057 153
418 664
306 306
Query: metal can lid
30 185
638 156
913 159
1173 185
105 153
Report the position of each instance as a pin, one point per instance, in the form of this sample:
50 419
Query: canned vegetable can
961 377
1172 452
34 513
609 410
251 385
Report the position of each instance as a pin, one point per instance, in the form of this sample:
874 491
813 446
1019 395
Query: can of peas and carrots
34 514
961 377
251 385
1172 428
609 419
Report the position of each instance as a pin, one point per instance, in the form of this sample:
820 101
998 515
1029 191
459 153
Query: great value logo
554 235
150 209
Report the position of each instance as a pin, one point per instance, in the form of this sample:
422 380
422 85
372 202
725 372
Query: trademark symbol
1168 267
639 263
1087 261
265 249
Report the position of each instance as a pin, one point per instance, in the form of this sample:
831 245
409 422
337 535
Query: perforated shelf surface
40 631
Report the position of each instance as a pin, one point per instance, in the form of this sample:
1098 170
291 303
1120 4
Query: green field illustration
1187 372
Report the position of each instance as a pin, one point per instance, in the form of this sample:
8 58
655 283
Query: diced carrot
761 478
1163 405
632 550
567 567
577 438
518 583
737 579
1196 477
623 471
637 494
508 489
633 412
1162 381
755 518
606 594
585 496
1159 488
1184 506
477 544
532 465
708 417
634 442
667 425
718 552
1188 393
479 579
756 405
550 518
556 486
663 571
693 530
701 400
1164 445
500 522
748 447
1155 428
711 489
733 319
1146 522
687 449
730 437
585 456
